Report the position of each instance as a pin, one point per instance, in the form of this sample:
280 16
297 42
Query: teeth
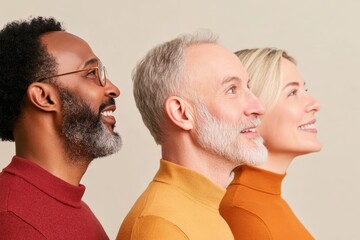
107 113
248 130
307 126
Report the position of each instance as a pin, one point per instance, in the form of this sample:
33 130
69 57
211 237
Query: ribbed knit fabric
254 209
178 204
35 204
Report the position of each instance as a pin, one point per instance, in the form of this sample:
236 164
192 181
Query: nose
253 105
111 90
312 105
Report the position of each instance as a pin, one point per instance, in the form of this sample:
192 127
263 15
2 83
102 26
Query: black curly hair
23 59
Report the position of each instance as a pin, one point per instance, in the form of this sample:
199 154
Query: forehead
290 73
211 64
70 51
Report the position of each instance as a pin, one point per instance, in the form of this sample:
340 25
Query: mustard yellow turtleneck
178 204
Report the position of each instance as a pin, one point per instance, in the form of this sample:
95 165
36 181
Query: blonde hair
264 68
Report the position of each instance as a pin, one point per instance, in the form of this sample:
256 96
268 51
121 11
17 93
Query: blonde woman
253 206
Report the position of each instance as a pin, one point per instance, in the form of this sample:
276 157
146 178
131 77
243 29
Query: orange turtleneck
254 209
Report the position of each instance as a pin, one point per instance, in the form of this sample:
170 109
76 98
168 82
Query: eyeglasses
100 72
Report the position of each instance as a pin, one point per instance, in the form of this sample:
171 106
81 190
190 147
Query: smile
309 127
249 130
107 113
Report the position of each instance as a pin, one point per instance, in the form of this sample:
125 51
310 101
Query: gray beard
86 136
225 140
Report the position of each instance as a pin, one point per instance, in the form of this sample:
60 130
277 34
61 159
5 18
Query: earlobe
43 96
179 112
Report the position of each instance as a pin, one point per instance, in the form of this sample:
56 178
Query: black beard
86 137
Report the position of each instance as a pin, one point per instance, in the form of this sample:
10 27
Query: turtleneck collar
46 182
194 184
259 179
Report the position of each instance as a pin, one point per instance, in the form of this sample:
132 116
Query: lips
107 115
309 126
249 127
249 130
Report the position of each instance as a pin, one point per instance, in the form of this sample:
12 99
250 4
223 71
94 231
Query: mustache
109 102
252 122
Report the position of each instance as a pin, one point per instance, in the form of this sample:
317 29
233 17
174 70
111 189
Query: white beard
225 139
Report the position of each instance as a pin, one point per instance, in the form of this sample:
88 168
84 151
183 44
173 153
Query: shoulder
13 227
245 224
149 217
155 227
10 185
162 200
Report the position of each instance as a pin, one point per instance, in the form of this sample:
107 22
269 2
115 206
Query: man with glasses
57 105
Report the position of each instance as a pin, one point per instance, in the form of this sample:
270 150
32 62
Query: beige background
323 35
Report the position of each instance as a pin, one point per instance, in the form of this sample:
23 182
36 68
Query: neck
56 165
48 152
211 166
277 162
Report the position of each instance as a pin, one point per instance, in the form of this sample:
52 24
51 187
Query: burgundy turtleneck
34 204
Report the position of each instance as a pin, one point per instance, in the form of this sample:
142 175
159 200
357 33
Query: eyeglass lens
102 74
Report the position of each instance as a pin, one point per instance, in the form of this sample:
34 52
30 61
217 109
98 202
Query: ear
179 112
43 96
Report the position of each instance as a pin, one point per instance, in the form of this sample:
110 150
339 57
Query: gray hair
161 74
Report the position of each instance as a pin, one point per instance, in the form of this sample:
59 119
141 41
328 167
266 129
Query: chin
312 148
109 127
318 149
317 146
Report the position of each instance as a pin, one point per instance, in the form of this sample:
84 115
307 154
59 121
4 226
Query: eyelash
91 72
293 92
233 88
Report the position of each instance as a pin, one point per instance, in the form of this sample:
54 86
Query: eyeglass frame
102 79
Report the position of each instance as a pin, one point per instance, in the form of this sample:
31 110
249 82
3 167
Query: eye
91 73
293 92
231 90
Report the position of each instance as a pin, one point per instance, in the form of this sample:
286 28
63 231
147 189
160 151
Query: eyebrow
230 79
293 84
91 62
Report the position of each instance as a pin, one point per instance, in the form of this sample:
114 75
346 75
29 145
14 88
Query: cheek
279 128
274 126
268 129
92 96
284 116
227 112
274 133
